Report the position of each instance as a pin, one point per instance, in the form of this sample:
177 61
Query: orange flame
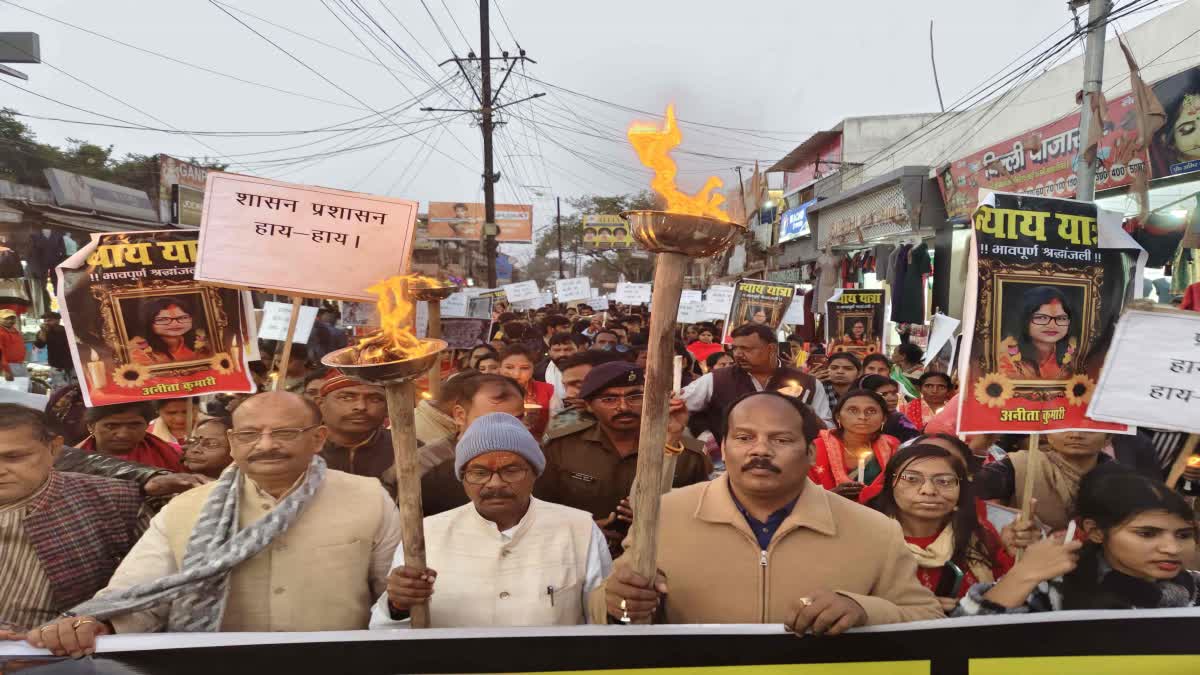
653 146
1193 461
395 340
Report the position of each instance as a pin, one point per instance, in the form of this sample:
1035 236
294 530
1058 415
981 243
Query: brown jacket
584 470
716 572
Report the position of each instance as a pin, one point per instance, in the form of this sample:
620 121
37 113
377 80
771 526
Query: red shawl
152 451
829 468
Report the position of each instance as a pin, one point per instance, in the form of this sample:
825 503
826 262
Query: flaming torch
394 356
693 226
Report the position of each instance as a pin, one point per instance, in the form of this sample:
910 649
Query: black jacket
95 464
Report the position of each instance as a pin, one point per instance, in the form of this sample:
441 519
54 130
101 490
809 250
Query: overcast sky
774 71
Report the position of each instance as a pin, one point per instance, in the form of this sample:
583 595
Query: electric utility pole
558 224
1093 76
487 106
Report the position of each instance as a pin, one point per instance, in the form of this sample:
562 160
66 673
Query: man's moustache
270 454
502 493
624 416
760 463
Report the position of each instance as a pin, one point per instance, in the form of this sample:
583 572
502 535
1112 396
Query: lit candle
862 467
793 389
96 373
235 352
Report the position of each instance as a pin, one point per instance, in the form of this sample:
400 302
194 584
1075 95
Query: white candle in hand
862 468
677 380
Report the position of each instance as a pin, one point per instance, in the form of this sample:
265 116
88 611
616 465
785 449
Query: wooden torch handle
401 401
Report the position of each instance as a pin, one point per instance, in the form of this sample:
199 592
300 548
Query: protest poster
689 295
758 301
455 305
522 291
599 303
632 294
691 311
1090 642
1149 377
301 240
466 333
1047 279
359 314
939 356
854 322
795 312
142 328
606 231
575 288
718 300
277 315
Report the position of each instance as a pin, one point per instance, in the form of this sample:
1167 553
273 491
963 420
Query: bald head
277 400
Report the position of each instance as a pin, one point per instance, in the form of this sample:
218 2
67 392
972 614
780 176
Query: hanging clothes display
828 273
909 292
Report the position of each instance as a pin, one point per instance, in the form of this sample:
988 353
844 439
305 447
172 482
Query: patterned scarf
883 448
938 554
197 592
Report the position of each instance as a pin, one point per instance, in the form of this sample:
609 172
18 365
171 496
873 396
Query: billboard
1175 149
1040 162
90 194
794 222
464 220
172 172
606 231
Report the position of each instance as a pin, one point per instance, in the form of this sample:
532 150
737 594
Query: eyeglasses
630 400
204 443
1044 319
481 476
941 481
167 320
283 435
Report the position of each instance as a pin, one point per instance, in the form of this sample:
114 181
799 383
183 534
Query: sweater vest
536 579
314 576
730 384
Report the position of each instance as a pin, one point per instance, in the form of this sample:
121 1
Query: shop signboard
172 172
90 194
465 220
602 231
1040 162
187 205
794 223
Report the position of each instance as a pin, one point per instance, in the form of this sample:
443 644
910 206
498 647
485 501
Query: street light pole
558 225
1093 76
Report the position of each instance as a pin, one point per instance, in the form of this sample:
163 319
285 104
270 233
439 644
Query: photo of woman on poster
1176 147
167 333
1044 349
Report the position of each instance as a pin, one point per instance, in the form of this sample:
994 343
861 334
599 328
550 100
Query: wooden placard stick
401 400
671 457
190 422
668 285
286 358
1177 469
1033 466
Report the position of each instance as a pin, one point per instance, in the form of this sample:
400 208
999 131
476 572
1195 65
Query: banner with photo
606 231
1175 149
464 221
854 322
1047 280
758 301
143 328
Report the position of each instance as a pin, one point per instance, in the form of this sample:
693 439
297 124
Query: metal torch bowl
693 236
432 293
390 371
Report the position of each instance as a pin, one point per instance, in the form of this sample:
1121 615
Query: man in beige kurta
321 573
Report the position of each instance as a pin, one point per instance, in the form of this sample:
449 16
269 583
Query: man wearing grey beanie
505 559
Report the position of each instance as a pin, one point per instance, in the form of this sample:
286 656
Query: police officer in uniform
590 465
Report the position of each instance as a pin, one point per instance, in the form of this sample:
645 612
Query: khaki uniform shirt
585 471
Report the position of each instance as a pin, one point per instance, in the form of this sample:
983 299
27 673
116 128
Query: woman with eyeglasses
926 490
860 416
1044 350
207 451
169 334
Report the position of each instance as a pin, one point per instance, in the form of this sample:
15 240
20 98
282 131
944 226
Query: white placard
301 240
795 312
421 319
1151 371
718 300
522 291
276 316
632 294
688 295
455 306
941 331
547 298
691 312
576 288
599 303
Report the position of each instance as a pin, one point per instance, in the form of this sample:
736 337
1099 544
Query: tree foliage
23 159
600 265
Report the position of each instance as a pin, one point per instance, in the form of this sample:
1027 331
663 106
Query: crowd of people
822 492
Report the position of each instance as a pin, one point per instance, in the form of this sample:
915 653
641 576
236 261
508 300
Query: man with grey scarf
277 543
